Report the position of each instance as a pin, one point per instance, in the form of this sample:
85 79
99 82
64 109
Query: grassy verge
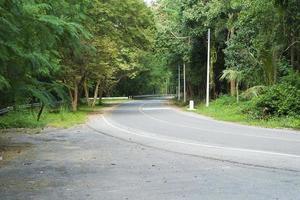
226 109
62 118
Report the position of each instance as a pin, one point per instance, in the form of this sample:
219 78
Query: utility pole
184 83
208 64
184 78
179 83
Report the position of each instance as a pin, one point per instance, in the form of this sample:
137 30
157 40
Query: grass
65 119
62 118
226 109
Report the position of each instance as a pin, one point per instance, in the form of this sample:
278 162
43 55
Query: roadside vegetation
64 51
59 118
255 62
27 119
225 108
274 107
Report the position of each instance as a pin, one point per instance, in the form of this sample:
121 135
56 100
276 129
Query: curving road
147 150
154 123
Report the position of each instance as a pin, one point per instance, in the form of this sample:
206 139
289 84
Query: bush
20 119
282 99
253 92
225 100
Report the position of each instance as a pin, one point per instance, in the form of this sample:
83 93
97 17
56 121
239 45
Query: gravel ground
79 163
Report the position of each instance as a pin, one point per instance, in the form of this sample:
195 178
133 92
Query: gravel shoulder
78 163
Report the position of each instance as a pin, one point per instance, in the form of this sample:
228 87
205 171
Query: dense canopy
67 50
53 48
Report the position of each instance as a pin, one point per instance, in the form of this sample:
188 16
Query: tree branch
290 46
179 37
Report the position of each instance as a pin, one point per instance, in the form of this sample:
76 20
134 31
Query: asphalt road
154 123
146 150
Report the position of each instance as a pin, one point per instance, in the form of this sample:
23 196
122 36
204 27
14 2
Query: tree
31 38
234 77
119 40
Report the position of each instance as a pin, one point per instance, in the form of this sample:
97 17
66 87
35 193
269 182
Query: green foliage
154 78
49 48
282 99
231 74
20 119
225 108
31 38
27 119
252 92
254 44
60 117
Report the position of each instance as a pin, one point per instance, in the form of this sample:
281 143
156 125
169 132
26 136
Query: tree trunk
86 92
96 91
232 87
40 112
293 53
237 91
190 92
100 95
74 96
297 62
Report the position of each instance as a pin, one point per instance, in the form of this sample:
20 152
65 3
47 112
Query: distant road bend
152 122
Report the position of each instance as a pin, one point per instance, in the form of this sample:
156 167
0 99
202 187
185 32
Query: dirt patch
104 110
13 131
10 148
98 112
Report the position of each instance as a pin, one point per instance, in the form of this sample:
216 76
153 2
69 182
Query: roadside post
191 105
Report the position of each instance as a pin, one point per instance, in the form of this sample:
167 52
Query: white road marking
209 130
160 108
156 137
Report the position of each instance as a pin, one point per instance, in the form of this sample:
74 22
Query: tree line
73 49
255 48
62 50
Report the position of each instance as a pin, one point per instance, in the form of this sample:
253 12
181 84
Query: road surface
147 150
154 123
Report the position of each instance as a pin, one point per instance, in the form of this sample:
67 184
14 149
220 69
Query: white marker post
191 105
208 63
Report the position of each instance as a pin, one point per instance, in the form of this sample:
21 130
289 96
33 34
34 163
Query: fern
254 92
3 83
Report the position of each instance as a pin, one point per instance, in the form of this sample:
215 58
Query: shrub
19 119
225 100
253 92
282 99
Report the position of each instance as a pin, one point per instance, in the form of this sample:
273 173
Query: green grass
62 118
226 109
20 119
65 119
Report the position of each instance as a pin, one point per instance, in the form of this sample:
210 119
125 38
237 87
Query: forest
254 56
65 50
75 51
